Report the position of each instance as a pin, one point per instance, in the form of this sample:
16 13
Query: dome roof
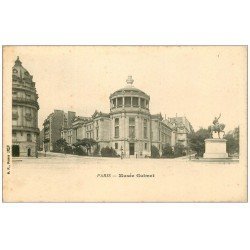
129 89
19 71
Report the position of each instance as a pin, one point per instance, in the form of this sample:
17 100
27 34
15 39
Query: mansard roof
181 122
100 114
157 116
19 72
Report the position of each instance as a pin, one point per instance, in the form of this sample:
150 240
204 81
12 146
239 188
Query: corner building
24 112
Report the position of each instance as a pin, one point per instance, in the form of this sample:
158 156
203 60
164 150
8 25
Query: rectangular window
28 137
116 121
131 127
145 128
135 101
131 121
142 103
127 101
146 146
14 115
119 102
116 145
14 94
117 131
116 127
97 133
114 103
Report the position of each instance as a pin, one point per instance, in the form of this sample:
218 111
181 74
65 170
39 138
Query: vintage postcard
124 124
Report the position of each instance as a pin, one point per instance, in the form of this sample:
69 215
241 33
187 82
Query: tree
68 150
154 152
61 145
96 150
79 150
88 143
179 150
233 141
108 152
167 151
196 140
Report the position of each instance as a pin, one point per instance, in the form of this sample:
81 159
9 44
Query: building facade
53 125
24 112
129 128
181 128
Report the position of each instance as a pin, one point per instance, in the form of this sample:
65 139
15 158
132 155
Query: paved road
74 178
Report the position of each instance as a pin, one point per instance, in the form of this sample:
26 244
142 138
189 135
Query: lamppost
121 152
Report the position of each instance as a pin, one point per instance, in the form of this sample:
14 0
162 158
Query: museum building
24 112
129 128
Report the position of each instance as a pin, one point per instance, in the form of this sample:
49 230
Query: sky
198 82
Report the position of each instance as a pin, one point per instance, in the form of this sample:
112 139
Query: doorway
15 151
29 152
131 148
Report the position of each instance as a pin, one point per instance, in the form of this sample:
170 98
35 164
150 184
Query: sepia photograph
125 123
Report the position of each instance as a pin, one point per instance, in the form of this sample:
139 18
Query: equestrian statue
216 127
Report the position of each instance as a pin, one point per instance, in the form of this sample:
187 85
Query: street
76 178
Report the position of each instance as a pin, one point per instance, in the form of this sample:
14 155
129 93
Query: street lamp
121 152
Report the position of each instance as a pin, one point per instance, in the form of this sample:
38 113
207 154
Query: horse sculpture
218 128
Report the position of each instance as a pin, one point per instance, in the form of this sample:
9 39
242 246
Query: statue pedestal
215 148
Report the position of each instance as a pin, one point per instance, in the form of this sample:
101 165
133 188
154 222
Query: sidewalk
53 154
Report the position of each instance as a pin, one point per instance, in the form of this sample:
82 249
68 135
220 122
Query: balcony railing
23 128
25 100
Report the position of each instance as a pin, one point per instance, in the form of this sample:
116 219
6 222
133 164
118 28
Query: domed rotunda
130 121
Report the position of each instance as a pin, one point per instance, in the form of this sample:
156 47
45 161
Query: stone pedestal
215 148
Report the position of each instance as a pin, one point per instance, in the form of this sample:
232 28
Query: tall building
181 128
24 112
53 125
129 127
